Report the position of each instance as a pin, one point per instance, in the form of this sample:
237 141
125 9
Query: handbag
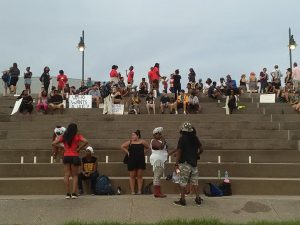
125 160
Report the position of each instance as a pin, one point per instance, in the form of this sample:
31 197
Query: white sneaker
176 112
184 112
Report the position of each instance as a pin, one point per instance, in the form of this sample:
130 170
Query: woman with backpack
73 143
135 149
5 79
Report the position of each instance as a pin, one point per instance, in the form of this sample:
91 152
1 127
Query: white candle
146 159
22 159
219 159
34 159
170 159
106 159
250 159
51 160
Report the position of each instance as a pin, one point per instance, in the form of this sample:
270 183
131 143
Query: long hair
138 133
70 133
190 136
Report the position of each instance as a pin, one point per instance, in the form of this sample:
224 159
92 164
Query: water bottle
226 174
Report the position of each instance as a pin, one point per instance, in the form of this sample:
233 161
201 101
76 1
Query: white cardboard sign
267 98
17 106
80 101
118 109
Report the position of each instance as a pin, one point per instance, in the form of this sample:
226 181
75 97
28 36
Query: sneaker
184 112
198 201
176 112
68 196
74 196
180 202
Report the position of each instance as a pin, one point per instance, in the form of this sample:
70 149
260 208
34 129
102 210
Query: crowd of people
69 142
172 98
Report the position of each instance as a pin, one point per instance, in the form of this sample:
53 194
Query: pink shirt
296 73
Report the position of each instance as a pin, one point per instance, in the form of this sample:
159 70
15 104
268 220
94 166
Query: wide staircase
266 134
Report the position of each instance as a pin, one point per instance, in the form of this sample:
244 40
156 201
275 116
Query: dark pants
177 90
93 177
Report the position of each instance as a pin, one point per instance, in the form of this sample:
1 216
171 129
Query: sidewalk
54 210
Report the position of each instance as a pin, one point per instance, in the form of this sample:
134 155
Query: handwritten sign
117 109
267 98
80 101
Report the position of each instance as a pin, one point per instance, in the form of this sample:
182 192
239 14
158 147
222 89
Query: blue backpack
212 190
103 186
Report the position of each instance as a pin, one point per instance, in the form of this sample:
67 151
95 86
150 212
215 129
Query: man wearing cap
88 170
189 149
159 155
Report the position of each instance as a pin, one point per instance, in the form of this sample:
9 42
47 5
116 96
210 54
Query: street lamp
292 46
81 48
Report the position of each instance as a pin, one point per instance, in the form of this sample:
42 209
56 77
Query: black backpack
103 186
105 91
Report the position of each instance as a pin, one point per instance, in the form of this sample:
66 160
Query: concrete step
240 186
232 156
208 144
123 133
120 170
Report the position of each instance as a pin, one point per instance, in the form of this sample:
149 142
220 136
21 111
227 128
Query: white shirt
296 73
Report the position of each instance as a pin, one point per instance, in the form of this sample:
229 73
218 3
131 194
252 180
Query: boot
157 192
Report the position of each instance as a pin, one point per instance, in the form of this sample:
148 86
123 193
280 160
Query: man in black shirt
177 84
88 170
56 102
188 152
165 102
83 89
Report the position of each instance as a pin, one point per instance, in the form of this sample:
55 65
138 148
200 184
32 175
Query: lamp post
292 46
81 48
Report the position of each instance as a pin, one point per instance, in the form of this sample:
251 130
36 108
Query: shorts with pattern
188 174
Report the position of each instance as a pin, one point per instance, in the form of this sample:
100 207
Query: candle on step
34 159
51 160
106 159
170 159
219 159
22 159
146 159
250 159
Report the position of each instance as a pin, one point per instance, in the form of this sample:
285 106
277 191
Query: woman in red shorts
73 143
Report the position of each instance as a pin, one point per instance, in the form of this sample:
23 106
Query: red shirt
130 77
62 80
114 73
150 76
71 150
155 73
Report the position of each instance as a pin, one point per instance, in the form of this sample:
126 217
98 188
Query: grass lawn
192 222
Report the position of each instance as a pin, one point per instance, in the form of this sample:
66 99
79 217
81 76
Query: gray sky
214 37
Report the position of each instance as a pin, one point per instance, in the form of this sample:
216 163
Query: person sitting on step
182 102
88 171
150 103
56 102
135 101
193 105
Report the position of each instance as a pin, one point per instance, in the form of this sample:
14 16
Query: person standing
73 142
177 84
276 75
159 155
288 78
27 79
14 77
6 80
252 83
46 78
296 76
136 149
263 80
155 78
130 75
105 92
89 170
192 76
189 149
114 75
62 80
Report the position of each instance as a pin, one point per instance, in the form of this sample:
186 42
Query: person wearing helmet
159 155
58 132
